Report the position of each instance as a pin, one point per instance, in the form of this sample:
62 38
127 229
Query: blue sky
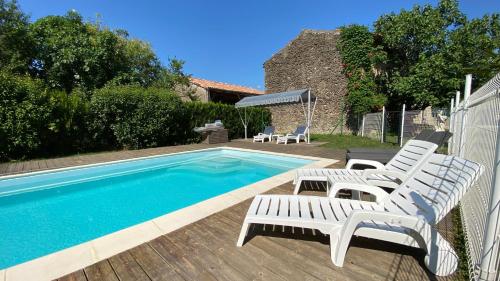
229 40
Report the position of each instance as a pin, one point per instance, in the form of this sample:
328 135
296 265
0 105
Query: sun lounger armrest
290 135
375 164
393 174
356 217
378 192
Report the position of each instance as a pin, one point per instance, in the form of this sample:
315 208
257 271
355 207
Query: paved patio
205 250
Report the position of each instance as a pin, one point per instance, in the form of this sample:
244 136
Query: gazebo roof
276 98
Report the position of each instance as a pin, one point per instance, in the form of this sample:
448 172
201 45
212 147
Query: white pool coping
71 259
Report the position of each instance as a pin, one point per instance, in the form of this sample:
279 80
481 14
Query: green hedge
35 122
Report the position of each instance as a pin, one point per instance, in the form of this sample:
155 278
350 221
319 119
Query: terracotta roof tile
224 86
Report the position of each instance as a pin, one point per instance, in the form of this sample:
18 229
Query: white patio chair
402 165
267 134
299 134
407 216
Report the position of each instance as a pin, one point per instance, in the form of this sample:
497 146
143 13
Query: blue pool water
47 212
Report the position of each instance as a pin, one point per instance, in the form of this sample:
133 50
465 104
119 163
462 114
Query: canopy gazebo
303 96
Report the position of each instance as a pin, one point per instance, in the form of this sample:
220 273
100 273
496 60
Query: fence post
467 90
363 126
450 126
402 125
489 255
456 140
383 125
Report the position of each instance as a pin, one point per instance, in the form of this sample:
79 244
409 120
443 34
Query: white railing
475 127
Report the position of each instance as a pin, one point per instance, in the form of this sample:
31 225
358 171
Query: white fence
474 123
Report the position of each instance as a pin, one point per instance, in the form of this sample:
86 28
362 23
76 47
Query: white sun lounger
299 134
267 134
407 216
402 165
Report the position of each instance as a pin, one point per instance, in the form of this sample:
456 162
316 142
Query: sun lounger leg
243 234
297 186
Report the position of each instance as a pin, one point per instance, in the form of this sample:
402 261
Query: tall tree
15 43
430 49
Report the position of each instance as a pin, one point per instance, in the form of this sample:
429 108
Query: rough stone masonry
313 61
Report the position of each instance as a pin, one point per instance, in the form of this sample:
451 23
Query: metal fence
400 126
474 123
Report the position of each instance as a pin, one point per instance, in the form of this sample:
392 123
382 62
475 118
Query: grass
349 141
460 246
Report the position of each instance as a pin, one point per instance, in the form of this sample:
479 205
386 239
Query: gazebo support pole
309 116
246 123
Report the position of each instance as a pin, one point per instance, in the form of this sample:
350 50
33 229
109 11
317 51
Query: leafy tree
360 57
15 43
430 49
71 53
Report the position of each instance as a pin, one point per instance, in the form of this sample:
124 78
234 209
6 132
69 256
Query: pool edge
68 260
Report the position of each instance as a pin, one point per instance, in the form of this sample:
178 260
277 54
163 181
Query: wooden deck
206 249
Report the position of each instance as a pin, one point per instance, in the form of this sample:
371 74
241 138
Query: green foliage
134 117
430 49
67 52
24 113
460 246
15 43
360 56
66 129
418 57
37 122
72 53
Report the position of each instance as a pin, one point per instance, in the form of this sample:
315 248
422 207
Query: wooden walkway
206 249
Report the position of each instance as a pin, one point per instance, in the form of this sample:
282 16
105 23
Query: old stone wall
313 61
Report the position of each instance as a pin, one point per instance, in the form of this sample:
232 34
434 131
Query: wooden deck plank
126 268
189 269
204 258
154 265
101 271
75 276
252 268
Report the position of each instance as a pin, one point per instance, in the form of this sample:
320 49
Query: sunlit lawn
349 141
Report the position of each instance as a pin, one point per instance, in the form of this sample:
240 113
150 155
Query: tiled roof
223 86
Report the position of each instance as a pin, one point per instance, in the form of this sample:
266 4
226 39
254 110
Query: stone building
206 90
311 60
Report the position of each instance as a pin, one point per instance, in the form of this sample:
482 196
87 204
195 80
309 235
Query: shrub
67 131
24 113
134 117
37 122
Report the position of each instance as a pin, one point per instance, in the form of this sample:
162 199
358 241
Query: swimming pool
45 212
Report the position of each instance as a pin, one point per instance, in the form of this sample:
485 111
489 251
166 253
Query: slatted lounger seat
406 161
299 134
406 216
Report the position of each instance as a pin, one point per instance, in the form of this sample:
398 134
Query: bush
37 122
67 131
24 114
134 117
